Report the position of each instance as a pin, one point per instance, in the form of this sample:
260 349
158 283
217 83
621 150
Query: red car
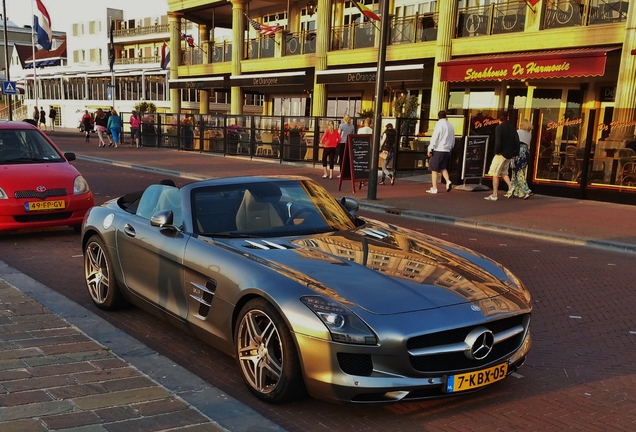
38 186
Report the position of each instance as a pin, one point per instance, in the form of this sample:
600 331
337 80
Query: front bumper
325 379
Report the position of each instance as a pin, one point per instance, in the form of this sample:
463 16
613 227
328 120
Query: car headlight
342 323
516 284
80 186
3 194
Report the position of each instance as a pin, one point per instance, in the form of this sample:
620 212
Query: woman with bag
387 152
86 123
135 128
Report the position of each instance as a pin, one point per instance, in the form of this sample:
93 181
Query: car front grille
40 195
444 361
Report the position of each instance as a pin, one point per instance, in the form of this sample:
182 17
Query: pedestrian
520 163
52 115
135 128
345 128
86 122
366 129
387 149
506 148
101 123
439 150
114 125
42 124
329 141
36 115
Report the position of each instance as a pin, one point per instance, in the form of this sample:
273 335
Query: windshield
267 209
26 146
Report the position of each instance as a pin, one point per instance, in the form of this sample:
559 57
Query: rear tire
98 273
266 354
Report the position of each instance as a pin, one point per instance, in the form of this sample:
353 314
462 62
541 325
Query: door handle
129 230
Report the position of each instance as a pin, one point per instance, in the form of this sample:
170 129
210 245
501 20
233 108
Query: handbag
384 154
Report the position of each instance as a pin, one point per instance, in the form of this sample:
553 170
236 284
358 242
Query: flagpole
35 73
6 57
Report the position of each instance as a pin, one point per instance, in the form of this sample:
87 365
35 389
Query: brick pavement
54 377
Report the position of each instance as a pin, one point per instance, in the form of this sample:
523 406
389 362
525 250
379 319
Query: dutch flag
42 26
165 56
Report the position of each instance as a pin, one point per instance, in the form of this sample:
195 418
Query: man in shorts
506 148
439 150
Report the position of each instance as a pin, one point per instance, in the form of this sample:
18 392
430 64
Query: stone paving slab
54 377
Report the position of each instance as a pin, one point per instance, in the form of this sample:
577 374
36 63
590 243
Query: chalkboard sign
475 151
356 159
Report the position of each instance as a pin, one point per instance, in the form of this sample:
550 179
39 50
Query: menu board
475 151
356 159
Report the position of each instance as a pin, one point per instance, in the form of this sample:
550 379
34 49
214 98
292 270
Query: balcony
492 19
415 28
221 52
354 36
142 31
262 47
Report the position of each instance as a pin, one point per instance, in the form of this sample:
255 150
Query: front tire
266 354
98 273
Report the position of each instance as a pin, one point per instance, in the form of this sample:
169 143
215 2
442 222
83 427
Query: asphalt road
580 374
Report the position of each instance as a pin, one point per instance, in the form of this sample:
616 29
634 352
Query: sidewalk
588 223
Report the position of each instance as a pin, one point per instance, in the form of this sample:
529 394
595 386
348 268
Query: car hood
51 175
386 270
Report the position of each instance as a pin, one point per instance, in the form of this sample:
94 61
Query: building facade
567 65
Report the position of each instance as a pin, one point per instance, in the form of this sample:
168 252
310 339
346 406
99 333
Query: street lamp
311 7
403 90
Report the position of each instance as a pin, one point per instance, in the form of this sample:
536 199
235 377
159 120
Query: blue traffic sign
9 87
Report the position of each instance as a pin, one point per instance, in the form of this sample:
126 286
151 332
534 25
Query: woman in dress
520 164
101 122
330 140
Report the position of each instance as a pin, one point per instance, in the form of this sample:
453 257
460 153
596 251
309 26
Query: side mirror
163 219
70 156
350 205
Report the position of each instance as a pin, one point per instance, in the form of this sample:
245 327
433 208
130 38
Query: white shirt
443 139
365 130
524 136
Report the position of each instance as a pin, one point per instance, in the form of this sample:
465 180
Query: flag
365 10
165 56
189 39
263 29
42 26
111 47
533 2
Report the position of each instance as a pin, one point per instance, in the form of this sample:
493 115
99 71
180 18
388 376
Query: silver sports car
308 297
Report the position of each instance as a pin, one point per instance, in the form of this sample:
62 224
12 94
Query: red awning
581 62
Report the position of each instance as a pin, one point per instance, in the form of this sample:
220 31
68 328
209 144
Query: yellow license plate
472 380
45 205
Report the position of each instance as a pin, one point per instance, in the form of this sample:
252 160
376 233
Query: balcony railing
142 31
492 19
221 52
137 60
571 13
262 47
300 43
415 28
352 36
